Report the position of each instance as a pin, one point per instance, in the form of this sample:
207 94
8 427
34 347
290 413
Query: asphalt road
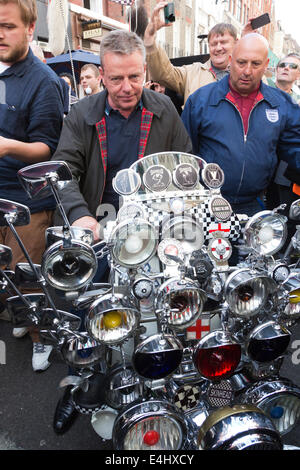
28 400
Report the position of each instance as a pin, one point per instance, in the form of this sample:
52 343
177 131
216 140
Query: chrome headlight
266 232
69 268
186 230
152 425
185 298
247 292
111 319
81 353
216 356
122 386
157 356
267 342
133 242
241 427
292 287
279 399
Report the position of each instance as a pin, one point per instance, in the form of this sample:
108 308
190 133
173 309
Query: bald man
244 126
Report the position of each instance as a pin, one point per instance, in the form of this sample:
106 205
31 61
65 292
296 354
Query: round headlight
158 356
111 319
133 242
247 292
279 399
186 230
121 386
216 356
185 298
81 353
152 425
267 342
69 268
241 427
266 232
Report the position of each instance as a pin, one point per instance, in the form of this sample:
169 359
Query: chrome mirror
13 213
45 179
37 179
29 314
65 320
25 276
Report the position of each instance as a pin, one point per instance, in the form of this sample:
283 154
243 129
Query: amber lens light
217 362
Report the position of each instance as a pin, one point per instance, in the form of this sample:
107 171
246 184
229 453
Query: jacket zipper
245 135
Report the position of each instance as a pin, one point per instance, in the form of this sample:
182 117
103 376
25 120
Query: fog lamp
241 427
184 298
133 242
266 232
80 353
111 319
186 230
267 342
279 399
152 425
69 268
158 356
246 293
216 356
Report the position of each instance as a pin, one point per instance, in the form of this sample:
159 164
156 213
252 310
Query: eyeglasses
291 65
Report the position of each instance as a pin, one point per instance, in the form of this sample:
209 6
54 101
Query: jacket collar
95 105
20 67
221 88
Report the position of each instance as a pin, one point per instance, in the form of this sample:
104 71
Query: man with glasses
287 74
105 133
281 190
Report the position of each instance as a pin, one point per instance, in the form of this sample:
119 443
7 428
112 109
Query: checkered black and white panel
230 229
187 397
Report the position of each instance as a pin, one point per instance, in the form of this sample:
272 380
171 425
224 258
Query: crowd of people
231 114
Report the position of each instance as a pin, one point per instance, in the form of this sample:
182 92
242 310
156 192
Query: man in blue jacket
244 126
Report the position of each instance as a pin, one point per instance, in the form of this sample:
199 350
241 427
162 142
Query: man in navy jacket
244 126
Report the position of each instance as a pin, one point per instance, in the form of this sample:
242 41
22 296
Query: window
239 10
94 5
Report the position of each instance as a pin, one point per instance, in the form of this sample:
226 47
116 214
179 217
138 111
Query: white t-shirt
3 67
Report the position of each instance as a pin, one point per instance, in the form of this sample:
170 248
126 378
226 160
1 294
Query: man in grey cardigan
107 132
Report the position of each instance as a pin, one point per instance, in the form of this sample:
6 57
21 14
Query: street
28 400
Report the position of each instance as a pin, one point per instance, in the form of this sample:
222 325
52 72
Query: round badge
187 397
220 394
142 288
126 182
185 176
157 178
171 247
220 249
130 211
281 272
213 176
220 208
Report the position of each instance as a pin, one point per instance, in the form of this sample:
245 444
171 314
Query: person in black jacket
107 132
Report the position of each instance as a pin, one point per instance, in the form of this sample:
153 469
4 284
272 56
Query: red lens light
217 362
151 438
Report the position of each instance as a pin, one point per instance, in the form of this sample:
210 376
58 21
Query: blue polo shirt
31 110
123 138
